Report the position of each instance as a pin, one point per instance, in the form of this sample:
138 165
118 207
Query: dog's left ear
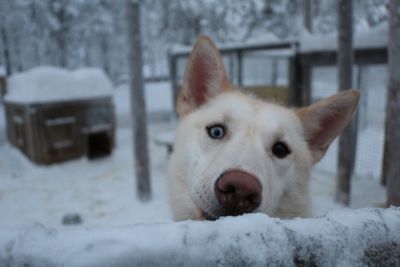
205 77
325 120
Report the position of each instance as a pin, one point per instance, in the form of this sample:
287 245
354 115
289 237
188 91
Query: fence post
299 79
348 139
174 79
305 83
392 134
240 67
294 81
138 105
231 66
274 71
385 160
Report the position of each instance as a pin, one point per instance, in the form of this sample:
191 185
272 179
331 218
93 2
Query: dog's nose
238 192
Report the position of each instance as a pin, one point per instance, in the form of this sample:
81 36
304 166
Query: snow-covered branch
342 238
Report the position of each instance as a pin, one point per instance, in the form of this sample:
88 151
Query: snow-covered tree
73 33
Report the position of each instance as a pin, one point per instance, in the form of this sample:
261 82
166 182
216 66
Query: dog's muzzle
238 192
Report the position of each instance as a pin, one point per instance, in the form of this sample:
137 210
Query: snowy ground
366 237
103 191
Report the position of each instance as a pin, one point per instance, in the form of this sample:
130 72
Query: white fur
253 126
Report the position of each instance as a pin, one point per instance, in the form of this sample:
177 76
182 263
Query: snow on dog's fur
265 148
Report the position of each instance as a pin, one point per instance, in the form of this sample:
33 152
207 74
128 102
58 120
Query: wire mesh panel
261 68
371 80
373 84
265 75
324 84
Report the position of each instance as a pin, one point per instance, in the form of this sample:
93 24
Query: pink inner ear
202 72
329 126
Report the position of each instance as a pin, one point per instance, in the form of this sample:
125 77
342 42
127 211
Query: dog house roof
48 84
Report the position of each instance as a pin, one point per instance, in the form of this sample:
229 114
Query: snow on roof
375 37
366 38
272 43
46 84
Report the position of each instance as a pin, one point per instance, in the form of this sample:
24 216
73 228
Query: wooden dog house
55 115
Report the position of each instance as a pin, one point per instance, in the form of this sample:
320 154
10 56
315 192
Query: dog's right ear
326 119
205 77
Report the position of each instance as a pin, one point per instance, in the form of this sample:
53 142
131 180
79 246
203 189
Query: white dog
236 154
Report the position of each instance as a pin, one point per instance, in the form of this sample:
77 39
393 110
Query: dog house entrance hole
99 145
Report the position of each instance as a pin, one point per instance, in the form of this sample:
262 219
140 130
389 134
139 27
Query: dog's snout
238 192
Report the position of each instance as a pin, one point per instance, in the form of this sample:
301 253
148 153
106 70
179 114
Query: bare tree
307 14
60 35
347 141
5 51
1 37
392 133
138 106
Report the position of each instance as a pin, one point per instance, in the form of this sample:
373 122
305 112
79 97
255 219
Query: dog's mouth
207 216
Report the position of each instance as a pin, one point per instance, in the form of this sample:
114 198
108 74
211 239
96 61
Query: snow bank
44 84
345 238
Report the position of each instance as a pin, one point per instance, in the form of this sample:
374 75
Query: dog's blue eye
216 131
280 150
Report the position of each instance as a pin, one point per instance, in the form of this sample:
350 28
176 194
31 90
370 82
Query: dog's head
237 154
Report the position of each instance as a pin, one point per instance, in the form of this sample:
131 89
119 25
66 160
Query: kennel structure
54 115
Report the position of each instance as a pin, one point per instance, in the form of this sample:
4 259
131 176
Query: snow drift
44 84
341 238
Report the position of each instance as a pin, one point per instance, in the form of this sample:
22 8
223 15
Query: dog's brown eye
280 150
216 131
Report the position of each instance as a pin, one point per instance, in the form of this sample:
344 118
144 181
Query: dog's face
236 154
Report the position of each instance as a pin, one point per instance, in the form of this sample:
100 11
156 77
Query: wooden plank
138 106
348 139
155 79
391 169
361 57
